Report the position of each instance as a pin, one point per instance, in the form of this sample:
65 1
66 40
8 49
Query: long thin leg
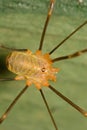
44 99
78 53
83 112
46 23
71 34
4 116
7 79
12 49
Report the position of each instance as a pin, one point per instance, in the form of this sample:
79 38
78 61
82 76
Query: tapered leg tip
2 118
85 114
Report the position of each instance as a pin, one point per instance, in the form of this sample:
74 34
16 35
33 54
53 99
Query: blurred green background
21 25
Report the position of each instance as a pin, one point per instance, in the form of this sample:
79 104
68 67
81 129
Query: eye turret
43 69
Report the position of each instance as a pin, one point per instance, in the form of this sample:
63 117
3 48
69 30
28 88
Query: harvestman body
37 69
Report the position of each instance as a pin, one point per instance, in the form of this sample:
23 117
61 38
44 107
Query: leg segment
83 112
44 99
71 34
4 116
46 23
7 79
78 53
12 49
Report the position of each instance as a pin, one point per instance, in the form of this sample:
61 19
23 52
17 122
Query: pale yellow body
34 68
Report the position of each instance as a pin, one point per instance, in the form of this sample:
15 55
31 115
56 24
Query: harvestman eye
21 64
43 69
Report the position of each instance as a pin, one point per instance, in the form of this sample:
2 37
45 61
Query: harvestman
37 68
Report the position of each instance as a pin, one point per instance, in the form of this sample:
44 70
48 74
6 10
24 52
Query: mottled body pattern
35 68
